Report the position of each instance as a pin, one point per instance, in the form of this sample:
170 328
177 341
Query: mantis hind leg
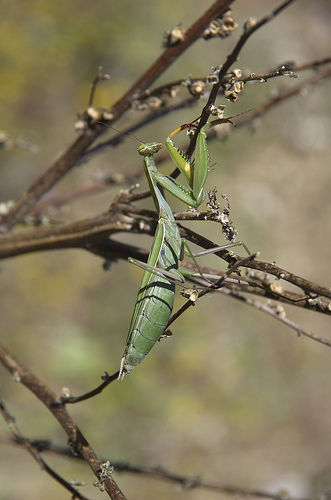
161 273
222 247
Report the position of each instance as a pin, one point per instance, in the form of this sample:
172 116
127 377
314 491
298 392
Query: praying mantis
156 295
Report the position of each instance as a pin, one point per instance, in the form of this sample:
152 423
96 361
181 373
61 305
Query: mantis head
149 149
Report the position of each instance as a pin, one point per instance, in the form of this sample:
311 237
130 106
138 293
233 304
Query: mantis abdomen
151 318
156 296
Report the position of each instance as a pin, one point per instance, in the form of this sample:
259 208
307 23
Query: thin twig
88 395
272 312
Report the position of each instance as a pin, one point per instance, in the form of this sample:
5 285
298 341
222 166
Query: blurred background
234 396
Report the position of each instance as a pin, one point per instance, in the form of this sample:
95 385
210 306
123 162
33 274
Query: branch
94 235
20 439
282 96
267 289
87 233
88 395
249 29
50 400
195 482
71 157
265 267
159 473
277 315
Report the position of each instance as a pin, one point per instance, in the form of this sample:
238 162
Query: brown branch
265 267
20 439
281 71
262 287
272 312
88 395
71 157
136 171
93 235
209 288
161 474
46 181
87 233
51 401
219 286
230 60
195 482
282 96
171 54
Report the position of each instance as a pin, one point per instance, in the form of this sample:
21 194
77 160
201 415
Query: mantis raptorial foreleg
155 298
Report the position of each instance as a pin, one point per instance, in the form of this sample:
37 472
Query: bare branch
33 452
71 157
161 474
276 315
249 29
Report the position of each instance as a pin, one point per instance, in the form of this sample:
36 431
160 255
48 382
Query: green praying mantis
156 295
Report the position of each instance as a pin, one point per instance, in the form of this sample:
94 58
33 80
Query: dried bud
229 25
80 125
173 92
232 88
139 105
173 37
190 293
238 87
99 114
213 78
217 111
93 113
250 23
277 287
151 103
108 115
197 88
222 26
215 27
154 102
237 73
6 206
66 393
